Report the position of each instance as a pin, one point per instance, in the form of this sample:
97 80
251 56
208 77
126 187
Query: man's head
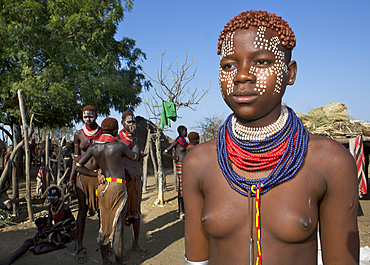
193 138
89 115
255 67
182 130
41 222
129 122
54 194
256 19
109 126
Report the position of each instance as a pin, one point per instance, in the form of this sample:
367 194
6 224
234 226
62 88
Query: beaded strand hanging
291 159
281 146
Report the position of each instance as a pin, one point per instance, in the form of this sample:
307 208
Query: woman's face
129 123
184 132
253 74
53 196
89 117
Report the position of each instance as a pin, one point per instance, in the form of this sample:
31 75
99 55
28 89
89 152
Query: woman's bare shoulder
201 155
78 133
327 146
330 156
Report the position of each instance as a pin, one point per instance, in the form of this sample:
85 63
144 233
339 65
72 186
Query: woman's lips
244 98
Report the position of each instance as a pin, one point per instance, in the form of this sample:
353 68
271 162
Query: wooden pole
154 162
47 161
27 151
160 199
14 171
14 152
59 163
145 161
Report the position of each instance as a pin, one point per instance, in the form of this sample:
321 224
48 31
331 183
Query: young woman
180 145
112 192
85 185
259 192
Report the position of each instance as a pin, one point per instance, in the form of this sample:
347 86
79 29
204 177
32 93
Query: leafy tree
63 55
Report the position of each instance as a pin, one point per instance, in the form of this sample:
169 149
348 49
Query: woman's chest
288 212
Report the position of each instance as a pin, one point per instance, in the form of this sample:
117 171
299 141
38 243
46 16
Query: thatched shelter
334 121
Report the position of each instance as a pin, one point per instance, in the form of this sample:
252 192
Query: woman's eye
228 66
262 62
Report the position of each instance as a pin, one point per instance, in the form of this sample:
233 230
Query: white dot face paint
261 43
227 49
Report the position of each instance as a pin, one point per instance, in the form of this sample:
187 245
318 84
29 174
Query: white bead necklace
90 133
245 133
58 209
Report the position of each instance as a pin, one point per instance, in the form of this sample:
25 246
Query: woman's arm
338 208
76 157
196 238
80 165
130 154
167 151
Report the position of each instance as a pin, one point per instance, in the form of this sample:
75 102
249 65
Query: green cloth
168 113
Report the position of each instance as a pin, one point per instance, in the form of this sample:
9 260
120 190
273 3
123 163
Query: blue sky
332 50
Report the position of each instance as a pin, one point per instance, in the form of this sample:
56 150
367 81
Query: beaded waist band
118 180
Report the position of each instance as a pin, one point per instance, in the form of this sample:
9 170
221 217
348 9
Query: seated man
112 194
54 231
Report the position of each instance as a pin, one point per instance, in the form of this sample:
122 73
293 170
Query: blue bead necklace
288 165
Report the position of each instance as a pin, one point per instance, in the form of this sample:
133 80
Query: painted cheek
227 49
279 67
228 78
261 78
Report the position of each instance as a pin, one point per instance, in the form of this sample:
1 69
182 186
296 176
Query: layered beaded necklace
182 141
92 133
127 138
281 146
56 211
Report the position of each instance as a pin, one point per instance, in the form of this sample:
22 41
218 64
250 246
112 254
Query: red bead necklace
253 162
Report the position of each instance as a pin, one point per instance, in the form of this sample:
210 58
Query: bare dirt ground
161 232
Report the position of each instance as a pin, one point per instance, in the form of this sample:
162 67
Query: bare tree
172 86
208 126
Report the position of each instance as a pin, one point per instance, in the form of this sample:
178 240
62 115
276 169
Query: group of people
107 177
264 192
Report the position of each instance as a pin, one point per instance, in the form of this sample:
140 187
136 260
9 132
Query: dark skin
179 149
134 170
80 148
108 157
323 191
43 231
194 141
66 213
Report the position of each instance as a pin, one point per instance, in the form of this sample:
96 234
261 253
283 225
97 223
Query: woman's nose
245 73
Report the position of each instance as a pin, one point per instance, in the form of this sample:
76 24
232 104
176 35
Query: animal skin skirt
112 198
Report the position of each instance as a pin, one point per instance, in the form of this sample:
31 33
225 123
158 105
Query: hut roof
334 121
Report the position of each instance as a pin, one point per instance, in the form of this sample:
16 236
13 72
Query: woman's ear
292 72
